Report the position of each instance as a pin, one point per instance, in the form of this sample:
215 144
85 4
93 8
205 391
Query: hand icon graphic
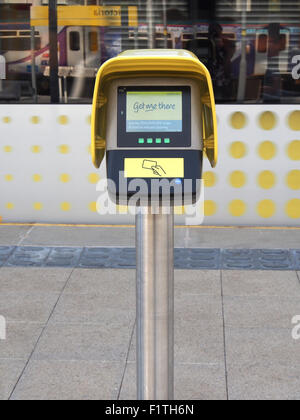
153 165
158 170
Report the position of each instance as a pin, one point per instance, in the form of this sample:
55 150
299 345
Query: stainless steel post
151 26
33 73
243 66
155 306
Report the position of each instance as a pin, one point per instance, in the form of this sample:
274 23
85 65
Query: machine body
154 116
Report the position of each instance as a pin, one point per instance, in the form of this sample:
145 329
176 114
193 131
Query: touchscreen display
154 112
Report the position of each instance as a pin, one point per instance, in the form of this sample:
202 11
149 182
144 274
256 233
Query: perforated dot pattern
46 174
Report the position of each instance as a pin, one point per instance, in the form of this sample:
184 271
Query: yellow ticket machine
154 117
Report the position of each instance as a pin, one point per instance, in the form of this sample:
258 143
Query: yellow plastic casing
154 63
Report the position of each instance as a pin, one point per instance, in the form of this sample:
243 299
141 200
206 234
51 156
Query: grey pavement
113 247
71 331
185 237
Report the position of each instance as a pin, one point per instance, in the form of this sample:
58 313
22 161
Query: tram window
74 38
229 36
201 35
208 28
8 33
143 35
187 37
93 41
262 44
28 33
19 44
160 36
283 42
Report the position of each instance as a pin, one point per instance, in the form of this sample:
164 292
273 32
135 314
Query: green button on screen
158 141
149 141
167 141
141 141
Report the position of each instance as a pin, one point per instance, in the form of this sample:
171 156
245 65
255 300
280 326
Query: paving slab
198 282
198 328
193 343
21 339
192 382
26 280
117 283
80 236
243 345
10 371
263 381
260 312
123 281
240 238
191 307
198 343
103 343
69 380
260 283
185 237
27 307
13 235
93 308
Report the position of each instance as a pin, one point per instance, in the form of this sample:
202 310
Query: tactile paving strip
239 259
5 252
64 257
296 254
194 258
107 258
276 260
184 258
28 257
258 259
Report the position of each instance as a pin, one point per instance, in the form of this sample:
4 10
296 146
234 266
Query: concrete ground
71 331
192 237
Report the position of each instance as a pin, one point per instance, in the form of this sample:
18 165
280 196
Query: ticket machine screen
157 112
157 117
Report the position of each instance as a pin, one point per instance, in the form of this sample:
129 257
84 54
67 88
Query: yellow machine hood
152 63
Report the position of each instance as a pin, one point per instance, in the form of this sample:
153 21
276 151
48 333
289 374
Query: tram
174 26
252 50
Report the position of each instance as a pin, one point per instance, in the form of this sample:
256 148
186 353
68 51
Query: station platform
68 296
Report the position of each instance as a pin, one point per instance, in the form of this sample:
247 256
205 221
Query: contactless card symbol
153 165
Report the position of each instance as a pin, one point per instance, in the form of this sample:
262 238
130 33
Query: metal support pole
53 62
165 23
151 26
243 66
66 89
33 72
155 306
60 89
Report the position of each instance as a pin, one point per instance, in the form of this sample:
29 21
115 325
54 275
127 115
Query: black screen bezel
178 139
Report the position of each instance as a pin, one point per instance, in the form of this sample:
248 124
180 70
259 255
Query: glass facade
50 50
